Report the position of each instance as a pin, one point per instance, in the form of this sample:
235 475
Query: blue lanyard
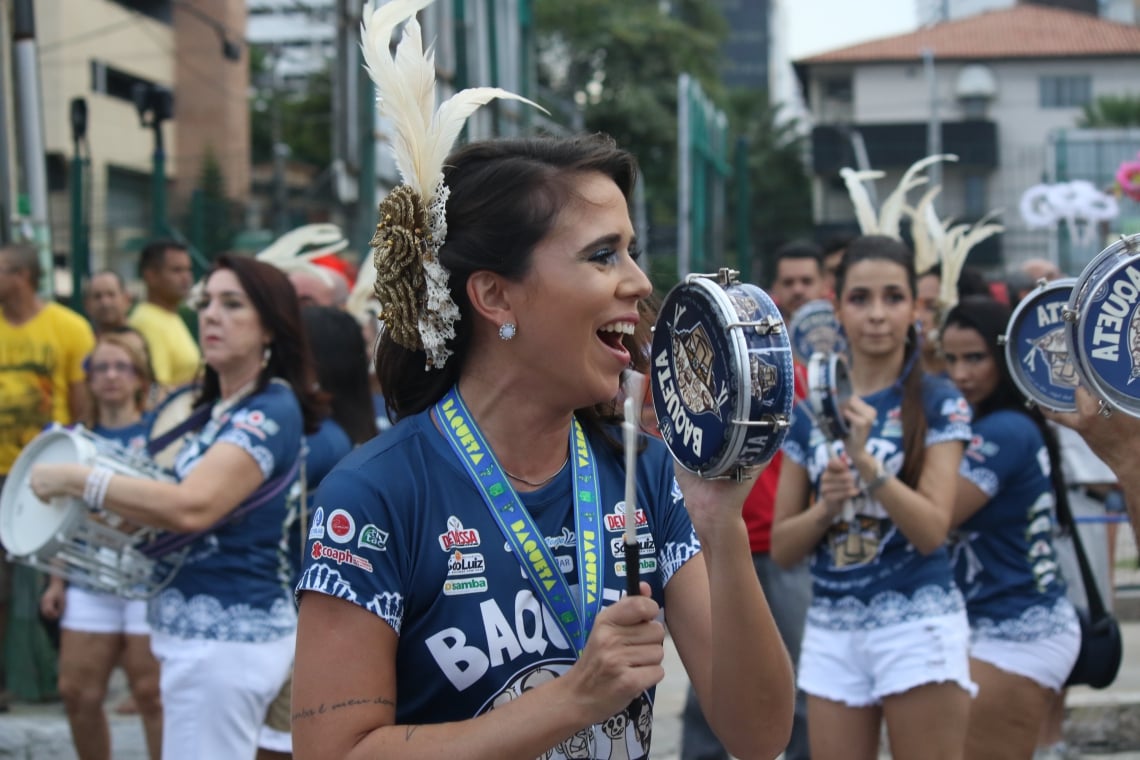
574 617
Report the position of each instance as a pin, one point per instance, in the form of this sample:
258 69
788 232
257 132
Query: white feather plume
406 86
864 210
960 240
926 230
894 206
296 248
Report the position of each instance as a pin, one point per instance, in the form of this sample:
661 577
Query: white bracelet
95 488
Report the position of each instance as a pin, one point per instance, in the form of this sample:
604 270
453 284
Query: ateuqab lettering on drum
814 328
1037 347
721 375
829 388
97 551
1104 321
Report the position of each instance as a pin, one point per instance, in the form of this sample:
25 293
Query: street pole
280 149
158 183
7 204
684 177
29 114
934 124
80 255
366 200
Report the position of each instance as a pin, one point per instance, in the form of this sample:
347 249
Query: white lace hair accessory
411 284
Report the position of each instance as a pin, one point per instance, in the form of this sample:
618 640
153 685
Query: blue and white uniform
93 611
323 450
401 530
868 581
224 629
1003 555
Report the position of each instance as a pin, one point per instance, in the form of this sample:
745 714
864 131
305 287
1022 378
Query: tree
780 190
619 63
1111 111
305 113
217 229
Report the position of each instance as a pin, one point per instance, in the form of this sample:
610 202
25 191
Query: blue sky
818 25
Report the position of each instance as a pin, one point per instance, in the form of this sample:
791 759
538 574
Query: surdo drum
99 551
721 375
1103 316
1037 347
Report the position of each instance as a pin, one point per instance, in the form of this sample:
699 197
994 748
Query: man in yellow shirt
165 268
42 349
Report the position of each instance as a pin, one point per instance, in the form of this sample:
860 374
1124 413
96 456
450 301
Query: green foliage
619 61
215 228
306 115
1111 111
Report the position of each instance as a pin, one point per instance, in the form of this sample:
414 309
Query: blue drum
829 388
1037 347
1104 325
721 375
814 328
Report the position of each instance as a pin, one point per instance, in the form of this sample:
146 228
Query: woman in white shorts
886 635
1024 632
101 630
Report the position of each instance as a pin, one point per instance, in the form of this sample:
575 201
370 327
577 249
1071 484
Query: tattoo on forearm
312 712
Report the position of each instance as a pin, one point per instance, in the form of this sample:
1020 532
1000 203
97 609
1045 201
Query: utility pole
7 205
934 123
80 253
280 148
29 113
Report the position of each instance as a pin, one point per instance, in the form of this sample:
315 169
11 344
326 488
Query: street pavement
1105 724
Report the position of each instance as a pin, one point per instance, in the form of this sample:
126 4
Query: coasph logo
340 556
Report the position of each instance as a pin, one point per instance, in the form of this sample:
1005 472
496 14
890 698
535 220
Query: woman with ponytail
1024 632
886 634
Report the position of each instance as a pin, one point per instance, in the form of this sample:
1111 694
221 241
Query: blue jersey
866 574
131 437
323 450
401 530
1003 555
232 586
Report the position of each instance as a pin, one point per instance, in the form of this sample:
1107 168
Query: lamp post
157 102
80 254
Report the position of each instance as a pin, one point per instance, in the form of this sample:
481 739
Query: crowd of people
450 586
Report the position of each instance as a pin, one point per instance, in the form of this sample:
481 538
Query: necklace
540 483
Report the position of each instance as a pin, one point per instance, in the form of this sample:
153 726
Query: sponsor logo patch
341 527
317 529
647 565
644 541
340 556
464 586
373 538
458 537
615 521
471 563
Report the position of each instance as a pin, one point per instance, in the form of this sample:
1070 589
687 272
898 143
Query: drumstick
629 436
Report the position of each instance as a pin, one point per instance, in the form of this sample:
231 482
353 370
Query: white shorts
215 693
96 612
859 668
1047 660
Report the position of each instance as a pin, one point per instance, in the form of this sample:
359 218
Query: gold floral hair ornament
411 284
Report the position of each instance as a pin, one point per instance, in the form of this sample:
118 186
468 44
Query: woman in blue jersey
1024 632
223 629
463 592
98 630
886 633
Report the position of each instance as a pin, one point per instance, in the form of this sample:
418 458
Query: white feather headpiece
411 284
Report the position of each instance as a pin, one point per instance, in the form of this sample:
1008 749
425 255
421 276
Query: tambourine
721 375
1104 325
814 328
829 388
1037 347
64 538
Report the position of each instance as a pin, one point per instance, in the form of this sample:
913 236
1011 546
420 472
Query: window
975 191
1065 91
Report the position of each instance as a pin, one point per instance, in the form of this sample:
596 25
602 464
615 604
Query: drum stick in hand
629 437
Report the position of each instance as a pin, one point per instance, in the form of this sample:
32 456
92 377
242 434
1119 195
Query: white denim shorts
859 668
1047 660
96 612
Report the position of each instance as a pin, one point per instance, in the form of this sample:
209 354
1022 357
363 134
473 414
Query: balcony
897 146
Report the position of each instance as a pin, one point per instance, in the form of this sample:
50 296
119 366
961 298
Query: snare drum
829 388
814 328
1103 315
721 377
64 538
1037 347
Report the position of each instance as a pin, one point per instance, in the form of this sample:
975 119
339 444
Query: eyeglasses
121 368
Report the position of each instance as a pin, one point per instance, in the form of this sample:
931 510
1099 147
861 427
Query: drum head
829 388
1037 347
1096 270
722 377
1108 336
26 523
814 328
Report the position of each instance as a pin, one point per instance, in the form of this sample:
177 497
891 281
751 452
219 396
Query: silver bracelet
881 477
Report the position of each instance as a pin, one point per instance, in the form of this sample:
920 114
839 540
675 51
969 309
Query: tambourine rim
17 482
1090 377
828 365
1012 360
800 315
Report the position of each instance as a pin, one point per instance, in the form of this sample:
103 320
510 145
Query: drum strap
266 492
196 420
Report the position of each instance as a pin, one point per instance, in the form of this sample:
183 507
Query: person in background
164 266
106 301
100 630
929 287
42 348
833 248
798 280
223 629
319 286
1024 631
458 652
342 373
886 634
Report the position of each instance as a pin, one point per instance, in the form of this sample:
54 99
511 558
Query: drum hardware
829 388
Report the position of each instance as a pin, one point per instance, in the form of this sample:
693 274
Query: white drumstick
633 390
